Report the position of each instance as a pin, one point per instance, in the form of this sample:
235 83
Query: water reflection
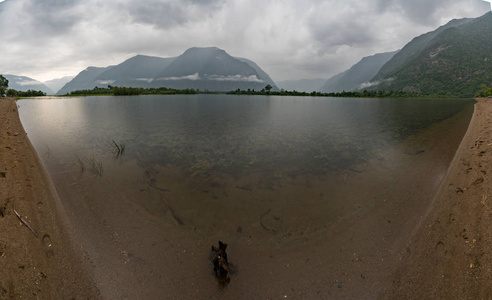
237 133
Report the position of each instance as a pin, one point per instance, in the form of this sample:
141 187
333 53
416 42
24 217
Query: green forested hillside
455 60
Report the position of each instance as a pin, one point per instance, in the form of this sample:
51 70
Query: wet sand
398 245
42 267
449 255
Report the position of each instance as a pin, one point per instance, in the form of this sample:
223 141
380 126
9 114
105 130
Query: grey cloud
289 39
427 12
168 14
51 17
339 34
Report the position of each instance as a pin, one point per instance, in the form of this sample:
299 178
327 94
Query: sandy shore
449 257
42 267
446 256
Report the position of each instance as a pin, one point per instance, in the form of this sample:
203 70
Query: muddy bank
45 266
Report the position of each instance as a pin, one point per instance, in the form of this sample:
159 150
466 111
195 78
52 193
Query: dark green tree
268 88
4 84
11 93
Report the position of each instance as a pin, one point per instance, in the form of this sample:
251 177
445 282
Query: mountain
84 80
197 68
211 69
23 83
137 71
454 60
358 75
260 72
302 85
414 48
56 84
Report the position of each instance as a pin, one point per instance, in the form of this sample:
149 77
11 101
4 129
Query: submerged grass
95 166
79 163
119 149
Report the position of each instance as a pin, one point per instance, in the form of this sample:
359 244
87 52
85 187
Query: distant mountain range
209 69
23 83
56 84
454 60
358 75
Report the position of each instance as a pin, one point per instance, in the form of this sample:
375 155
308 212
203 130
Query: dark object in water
221 265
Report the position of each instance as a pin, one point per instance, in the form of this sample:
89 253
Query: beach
448 256
41 263
440 251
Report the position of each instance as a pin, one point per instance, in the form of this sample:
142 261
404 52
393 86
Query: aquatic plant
95 166
79 163
118 149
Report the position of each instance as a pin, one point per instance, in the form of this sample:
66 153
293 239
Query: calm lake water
237 135
257 172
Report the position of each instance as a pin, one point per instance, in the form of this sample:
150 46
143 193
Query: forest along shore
449 257
37 259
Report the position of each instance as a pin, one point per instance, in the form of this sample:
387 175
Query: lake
268 175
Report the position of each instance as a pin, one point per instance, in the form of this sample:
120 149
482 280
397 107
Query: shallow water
257 172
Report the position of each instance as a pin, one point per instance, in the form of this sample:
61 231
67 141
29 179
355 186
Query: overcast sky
289 39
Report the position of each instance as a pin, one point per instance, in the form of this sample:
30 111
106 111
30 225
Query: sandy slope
43 267
449 257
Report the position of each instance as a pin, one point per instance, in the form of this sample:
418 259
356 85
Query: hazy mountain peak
208 68
359 74
56 84
23 83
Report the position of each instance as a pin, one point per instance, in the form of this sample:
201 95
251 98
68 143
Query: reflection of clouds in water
237 133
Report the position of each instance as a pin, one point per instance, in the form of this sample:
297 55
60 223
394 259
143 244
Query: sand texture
42 267
449 255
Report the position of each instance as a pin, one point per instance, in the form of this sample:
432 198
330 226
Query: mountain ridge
24 83
208 68
454 60
359 74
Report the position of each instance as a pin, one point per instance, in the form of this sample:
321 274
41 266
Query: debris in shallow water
221 264
263 225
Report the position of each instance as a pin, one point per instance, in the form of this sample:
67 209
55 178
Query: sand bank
42 267
449 256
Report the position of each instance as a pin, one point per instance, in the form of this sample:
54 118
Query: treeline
28 93
127 91
354 94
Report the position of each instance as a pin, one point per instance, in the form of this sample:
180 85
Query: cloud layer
289 39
